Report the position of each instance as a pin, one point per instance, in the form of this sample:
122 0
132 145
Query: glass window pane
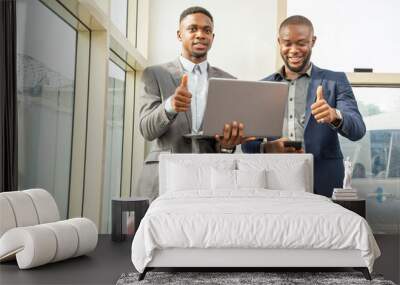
45 86
353 33
119 14
114 137
376 157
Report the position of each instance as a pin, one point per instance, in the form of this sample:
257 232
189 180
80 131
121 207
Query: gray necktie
195 111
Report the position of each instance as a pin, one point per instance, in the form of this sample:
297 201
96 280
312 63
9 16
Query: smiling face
296 43
196 34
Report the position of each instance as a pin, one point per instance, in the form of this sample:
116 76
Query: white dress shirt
197 85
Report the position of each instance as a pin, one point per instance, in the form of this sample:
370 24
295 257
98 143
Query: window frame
99 41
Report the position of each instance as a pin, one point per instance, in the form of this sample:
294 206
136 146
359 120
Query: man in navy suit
320 105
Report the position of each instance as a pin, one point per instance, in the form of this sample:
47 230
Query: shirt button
292 83
291 116
291 135
290 99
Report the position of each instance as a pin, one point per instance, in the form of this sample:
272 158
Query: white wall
354 33
245 34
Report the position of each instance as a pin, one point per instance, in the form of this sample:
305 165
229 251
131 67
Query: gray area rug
269 278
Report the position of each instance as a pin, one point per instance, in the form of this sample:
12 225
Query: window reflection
376 157
114 138
119 15
45 96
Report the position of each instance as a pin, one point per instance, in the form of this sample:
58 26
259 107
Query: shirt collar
280 74
188 66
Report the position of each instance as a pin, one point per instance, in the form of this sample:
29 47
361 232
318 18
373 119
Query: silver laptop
259 105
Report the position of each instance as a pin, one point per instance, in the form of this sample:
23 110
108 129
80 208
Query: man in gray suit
174 100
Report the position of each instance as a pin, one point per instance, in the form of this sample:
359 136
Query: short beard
301 68
199 55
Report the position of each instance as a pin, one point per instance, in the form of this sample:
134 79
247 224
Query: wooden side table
120 205
357 205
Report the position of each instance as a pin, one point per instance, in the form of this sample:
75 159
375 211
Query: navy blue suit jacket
321 140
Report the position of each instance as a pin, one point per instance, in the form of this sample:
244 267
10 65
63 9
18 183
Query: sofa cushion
45 205
23 208
7 215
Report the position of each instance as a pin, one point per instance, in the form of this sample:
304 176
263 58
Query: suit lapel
316 80
176 70
211 72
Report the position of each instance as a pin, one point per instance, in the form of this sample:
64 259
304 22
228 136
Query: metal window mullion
78 153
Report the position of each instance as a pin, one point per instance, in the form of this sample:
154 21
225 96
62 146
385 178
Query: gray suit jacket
160 82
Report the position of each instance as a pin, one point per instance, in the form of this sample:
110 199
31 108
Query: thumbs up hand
182 97
322 112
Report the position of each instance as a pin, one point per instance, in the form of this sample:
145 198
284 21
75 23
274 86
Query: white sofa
31 232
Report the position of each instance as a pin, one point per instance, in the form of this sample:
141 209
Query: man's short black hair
297 20
195 10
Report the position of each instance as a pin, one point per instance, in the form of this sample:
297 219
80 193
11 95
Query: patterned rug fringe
253 278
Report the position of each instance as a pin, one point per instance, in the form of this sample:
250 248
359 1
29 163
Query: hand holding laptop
233 134
182 97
